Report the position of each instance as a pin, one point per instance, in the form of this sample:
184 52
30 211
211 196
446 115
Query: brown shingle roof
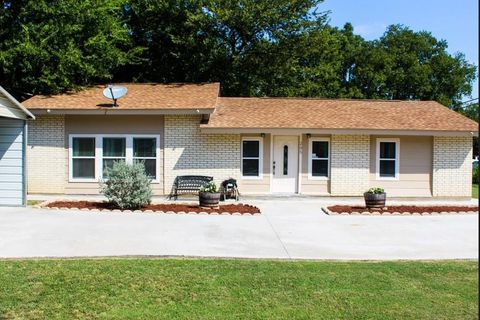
274 113
139 96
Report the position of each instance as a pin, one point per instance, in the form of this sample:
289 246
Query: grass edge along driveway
233 289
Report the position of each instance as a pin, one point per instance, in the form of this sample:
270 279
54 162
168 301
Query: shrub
210 187
127 186
475 173
376 190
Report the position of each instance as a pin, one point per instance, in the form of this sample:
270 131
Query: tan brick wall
350 165
187 151
46 162
452 167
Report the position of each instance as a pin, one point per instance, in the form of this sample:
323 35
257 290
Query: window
114 149
145 150
91 155
252 158
285 160
319 151
83 158
387 158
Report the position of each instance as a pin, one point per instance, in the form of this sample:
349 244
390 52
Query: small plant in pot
209 197
375 198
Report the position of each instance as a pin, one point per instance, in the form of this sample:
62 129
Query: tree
233 42
472 111
415 65
50 46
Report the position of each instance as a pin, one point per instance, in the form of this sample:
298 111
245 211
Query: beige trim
297 131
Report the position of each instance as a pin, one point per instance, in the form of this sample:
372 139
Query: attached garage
13 129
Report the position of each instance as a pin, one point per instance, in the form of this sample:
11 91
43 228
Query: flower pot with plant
375 198
209 197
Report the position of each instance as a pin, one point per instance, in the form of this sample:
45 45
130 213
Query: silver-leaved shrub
127 186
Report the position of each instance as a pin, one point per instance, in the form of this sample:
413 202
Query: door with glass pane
285 164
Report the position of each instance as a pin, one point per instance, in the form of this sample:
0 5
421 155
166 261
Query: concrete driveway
294 229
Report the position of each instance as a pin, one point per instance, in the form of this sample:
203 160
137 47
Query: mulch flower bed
231 209
403 210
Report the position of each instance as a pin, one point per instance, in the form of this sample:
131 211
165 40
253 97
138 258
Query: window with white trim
319 158
251 158
113 150
91 155
145 151
387 158
83 158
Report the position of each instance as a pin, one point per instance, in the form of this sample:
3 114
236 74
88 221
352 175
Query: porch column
350 165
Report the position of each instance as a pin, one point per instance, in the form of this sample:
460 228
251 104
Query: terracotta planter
375 200
209 199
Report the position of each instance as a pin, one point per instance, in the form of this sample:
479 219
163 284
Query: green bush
127 186
475 173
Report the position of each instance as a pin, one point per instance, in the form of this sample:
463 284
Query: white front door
285 164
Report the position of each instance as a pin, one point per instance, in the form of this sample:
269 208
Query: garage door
11 162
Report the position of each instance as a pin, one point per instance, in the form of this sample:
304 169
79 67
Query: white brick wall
350 165
187 151
452 167
46 161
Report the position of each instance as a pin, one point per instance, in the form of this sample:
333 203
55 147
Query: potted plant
209 197
375 198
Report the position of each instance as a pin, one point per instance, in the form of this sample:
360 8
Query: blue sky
454 21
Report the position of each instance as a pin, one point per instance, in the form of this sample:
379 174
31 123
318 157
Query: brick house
270 145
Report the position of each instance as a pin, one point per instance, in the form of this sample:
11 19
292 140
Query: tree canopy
252 47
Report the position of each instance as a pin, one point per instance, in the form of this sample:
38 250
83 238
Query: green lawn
237 289
475 191
33 202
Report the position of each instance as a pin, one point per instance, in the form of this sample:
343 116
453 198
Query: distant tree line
253 47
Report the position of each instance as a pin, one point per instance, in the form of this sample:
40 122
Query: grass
33 202
475 191
237 289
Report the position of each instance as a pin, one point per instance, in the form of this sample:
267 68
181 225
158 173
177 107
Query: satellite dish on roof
114 93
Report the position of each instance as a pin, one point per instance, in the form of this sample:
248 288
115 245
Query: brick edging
380 213
44 204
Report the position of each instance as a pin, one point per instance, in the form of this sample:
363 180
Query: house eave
113 111
298 131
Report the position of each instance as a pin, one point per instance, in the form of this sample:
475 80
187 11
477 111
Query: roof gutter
117 111
297 131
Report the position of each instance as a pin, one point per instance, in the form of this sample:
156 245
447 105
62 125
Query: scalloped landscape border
386 213
44 205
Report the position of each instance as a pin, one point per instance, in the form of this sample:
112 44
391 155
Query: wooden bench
188 184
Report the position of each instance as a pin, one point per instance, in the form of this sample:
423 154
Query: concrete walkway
294 229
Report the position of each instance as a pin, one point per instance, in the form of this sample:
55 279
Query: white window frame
311 159
260 158
110 158
397 158
71 157
99 153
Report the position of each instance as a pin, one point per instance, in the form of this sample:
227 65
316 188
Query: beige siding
415 167
311 186
46 161
258 186
112 124
452 166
